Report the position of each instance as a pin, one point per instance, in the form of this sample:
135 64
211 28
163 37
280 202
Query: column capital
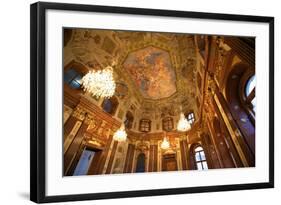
79 113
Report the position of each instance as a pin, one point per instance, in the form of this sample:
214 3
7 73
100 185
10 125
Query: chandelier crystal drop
100 83
120 135
183 124
165 144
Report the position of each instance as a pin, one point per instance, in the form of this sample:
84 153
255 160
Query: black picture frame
38 100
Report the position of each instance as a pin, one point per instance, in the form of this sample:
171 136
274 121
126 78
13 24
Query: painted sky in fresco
151 70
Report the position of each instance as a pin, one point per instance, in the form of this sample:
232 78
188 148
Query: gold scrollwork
89 119
79 113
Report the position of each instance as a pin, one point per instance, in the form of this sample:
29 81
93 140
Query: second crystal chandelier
183 124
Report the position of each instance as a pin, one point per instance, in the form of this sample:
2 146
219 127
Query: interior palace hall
152 102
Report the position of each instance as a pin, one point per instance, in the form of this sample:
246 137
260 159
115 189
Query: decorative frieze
79 113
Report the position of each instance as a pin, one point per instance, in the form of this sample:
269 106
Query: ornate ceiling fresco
155 72
152 72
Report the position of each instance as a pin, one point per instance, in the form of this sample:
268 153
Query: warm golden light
100 83
183 124
165 144
120 135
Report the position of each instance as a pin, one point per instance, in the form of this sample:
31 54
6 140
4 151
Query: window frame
244 100
191 120
79 68
114 105
73 78
129 122
167 123
201 161
251 96
142 126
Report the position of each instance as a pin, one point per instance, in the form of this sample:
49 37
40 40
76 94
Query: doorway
169 162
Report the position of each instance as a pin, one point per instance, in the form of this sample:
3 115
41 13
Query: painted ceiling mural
151 70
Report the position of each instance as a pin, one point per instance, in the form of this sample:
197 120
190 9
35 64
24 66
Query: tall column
74 145
208 116
152 157
210 152
220 142
226 139
244 152
111 158
129 158
178 154
221 108
159 156
72 126
216 155
119 158
156 158
184 153
107 154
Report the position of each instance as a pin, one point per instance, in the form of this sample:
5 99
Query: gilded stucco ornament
79 113
89 118
142 146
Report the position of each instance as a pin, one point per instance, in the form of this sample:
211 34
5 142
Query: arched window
240 92
190 117
73 78
129 120
200 158
140 163
167 124
110 105
250 92
145 125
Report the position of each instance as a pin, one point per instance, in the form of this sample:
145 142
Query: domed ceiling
152 72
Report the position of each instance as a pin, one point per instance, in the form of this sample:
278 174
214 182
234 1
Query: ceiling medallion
100 83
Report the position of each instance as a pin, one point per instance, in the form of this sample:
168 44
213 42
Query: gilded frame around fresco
38 101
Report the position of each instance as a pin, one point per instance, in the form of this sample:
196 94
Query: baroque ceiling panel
151 68
152 72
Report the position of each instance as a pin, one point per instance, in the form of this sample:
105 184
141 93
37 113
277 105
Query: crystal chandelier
100 83
165 143
183 124
120 135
